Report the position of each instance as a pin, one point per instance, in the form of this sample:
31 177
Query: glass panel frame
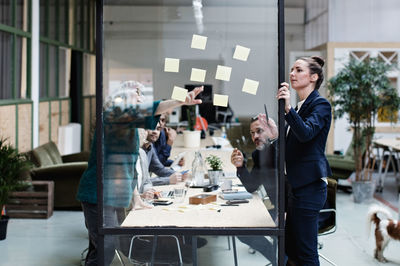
106 231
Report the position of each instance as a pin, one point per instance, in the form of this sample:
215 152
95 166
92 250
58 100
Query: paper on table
221 100
179 94
223 73
199 42
241 53
250 86
198 75
171 65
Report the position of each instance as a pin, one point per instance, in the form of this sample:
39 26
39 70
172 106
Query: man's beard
260 147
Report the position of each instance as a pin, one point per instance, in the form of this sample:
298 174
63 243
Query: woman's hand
190 98
284 93
269 127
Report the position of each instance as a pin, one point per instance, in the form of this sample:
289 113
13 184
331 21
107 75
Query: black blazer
306 141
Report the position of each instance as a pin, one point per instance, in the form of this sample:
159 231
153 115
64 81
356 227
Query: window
14 49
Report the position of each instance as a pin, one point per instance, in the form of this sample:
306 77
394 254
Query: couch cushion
47 154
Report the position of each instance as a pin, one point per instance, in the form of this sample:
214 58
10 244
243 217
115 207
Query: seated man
165 175
264 173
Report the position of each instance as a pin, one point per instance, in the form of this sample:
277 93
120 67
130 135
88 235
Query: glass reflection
237 66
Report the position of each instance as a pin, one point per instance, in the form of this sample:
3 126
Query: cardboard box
202 199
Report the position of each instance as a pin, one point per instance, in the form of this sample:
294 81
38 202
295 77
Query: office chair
327 223
223 114
146 259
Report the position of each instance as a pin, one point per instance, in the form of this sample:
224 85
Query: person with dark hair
263 174
306 165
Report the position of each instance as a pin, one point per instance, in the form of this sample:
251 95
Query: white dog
385 229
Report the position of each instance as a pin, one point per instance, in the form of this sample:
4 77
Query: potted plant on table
216 169
13 166
360 90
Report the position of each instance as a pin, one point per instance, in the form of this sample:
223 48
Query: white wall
364 21
141 37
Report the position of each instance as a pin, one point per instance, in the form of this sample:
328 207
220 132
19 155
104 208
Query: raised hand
190 98
269 127
284 93
237 158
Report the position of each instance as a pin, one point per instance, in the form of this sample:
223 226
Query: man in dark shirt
264 172
165 141
165 175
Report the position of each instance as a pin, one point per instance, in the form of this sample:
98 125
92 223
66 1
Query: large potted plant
216 169
360 90
13 166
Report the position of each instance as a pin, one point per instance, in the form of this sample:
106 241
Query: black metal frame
278 231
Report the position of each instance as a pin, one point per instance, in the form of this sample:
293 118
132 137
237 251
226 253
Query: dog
385 229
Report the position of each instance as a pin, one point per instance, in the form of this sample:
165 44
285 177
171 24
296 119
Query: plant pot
3 226
191 139
363 191
214 176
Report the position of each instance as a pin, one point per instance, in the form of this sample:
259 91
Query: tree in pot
13 167
216 169
360 90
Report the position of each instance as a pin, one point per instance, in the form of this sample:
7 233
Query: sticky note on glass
250 86
223 73
179 94
199 42
241 53
220 100
198 75
171 65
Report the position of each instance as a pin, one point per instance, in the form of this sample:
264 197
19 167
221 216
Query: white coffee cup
226 185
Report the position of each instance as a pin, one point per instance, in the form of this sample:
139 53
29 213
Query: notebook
236 195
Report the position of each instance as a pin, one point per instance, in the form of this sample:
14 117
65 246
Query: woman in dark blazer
306 165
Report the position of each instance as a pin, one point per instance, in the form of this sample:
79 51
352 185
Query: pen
229 205
184 172
266 112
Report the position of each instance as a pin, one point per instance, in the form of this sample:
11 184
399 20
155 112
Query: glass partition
174 176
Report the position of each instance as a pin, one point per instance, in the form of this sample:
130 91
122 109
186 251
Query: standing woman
306 165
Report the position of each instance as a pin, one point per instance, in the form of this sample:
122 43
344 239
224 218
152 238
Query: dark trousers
301 228
110 219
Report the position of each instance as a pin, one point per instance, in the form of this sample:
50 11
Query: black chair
148 246
327 221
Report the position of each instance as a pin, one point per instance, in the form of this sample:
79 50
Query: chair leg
326 259
179 250
229 243
119 257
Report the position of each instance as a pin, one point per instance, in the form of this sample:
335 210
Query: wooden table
211 215
214 216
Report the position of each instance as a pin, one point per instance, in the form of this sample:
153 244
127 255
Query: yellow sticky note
171 65
198 75
220 100
223 73
250 86
179 94
199 42
241 53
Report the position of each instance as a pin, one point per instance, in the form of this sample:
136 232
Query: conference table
213 215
